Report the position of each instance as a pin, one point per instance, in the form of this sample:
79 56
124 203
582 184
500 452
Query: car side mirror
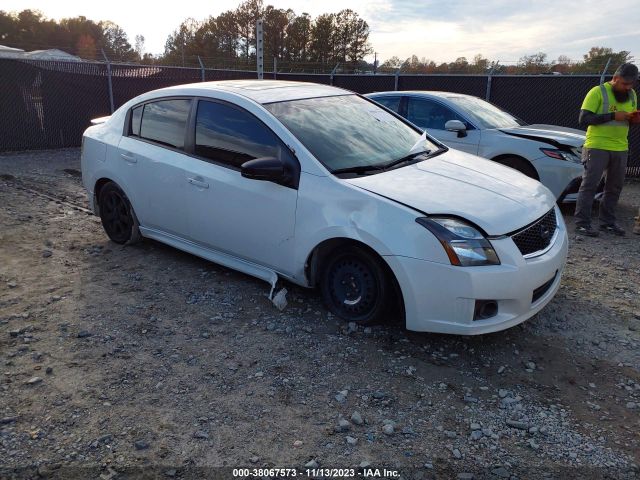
456 126
268 169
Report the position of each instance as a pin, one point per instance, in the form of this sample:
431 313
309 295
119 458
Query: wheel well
526 162
320 254
98 188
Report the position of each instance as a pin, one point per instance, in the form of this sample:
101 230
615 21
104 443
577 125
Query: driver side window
430 115
230 136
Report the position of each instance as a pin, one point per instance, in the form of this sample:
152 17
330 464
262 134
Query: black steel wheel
117 215
356 287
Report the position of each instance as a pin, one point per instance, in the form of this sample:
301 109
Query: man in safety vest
607 110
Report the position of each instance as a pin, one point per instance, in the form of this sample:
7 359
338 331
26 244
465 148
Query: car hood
496 198
551 134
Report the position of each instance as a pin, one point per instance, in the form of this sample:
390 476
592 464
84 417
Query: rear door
432 116
154 153
250 219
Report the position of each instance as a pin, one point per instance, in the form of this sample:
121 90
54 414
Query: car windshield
484 114
348 132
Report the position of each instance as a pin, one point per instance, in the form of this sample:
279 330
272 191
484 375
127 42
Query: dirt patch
133 361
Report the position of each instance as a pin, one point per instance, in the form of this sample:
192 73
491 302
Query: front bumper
441 298
557 175
570 194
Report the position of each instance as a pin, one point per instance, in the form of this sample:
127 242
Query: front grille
538 235
542 289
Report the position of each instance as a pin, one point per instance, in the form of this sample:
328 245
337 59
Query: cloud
442 31
502 30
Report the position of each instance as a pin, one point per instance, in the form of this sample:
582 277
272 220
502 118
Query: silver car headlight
464 244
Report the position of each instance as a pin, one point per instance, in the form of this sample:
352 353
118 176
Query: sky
442 30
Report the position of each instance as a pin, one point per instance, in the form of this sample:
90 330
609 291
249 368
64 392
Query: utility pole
259 49
375 62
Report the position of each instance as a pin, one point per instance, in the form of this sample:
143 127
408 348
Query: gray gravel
116 358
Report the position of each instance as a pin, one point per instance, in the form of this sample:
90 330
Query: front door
432 117
251 219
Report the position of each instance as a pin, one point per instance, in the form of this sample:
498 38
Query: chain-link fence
48 104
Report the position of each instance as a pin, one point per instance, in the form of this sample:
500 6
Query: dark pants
599 162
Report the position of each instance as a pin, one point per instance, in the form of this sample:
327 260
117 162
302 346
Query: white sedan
547 153
323 187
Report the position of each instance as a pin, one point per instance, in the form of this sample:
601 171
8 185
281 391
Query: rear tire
356 287
117 216
520 164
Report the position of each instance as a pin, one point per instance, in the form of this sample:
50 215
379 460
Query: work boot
586 230
613 228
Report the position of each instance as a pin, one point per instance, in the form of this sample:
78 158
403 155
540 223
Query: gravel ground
132 362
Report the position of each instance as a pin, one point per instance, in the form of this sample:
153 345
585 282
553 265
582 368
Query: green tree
276 21
535 63
596 59
322 39
247 13
139 46
562 65
298 38
180 45
480 64
30 30
391 64
227 33
460 65
115 42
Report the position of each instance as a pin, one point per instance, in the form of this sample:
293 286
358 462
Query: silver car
548 153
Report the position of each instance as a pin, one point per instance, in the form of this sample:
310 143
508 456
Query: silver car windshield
483 114
347 131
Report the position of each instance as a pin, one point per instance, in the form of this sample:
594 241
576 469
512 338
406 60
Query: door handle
198 183
128 157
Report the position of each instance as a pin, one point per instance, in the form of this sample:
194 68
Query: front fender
329 208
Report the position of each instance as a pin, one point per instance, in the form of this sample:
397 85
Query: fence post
108 79
201 67
332 73
604 72
397 75
487 96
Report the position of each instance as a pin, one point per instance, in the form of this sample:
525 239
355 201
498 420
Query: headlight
464 244
561 155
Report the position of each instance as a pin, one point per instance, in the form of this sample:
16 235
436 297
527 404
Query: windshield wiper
358 169
362 169
405 159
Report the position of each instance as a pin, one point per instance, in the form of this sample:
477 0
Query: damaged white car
322 187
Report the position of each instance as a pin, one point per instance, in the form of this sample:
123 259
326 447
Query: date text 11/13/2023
316 472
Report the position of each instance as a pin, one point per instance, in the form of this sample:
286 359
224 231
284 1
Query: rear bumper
441 298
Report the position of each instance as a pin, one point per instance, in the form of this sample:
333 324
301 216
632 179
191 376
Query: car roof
425 93
260 91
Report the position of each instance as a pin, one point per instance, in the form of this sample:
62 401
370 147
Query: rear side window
392 103
164 122
232 136
136 117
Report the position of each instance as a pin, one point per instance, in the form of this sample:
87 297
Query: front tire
117 216
356 288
